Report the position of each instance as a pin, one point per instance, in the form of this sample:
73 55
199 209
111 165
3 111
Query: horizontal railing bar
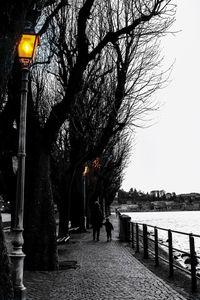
145 236
185 233
166 245
174 249
163 244
150 226
181 251
164 229
166 261
175 265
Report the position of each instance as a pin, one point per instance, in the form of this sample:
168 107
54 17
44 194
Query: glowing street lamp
27 48
26 52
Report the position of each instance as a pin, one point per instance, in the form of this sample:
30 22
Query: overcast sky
167 155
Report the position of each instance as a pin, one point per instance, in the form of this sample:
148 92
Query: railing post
145 241
193 263
171 267
132 232
137 238
156 246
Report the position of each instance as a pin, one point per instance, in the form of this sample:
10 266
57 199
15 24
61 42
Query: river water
184 221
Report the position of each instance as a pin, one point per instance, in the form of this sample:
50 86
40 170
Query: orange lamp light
86 171
27 47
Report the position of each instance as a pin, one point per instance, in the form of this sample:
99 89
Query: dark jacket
96 217
108 226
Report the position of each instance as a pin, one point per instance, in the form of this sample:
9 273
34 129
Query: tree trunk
6 291
63 209
77 210
9 178
71 205
76 200
40 227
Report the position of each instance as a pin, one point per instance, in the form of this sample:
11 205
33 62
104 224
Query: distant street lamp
26 52
85 173
96 165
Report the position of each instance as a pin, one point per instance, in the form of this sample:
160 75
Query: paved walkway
98 271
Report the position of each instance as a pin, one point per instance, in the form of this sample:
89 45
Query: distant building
168 196
157 193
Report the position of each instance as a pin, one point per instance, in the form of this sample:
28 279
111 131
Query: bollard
124 232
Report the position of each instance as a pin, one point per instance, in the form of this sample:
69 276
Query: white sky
167 155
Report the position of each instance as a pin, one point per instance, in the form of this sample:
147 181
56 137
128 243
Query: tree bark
77 201
63 209
6 290
71 205
40 227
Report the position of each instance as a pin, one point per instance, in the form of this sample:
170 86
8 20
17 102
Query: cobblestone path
103 271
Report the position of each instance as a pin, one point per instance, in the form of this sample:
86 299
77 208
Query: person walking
109 228
96 220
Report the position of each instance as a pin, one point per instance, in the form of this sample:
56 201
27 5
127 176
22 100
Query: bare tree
13 15
86 33
120 74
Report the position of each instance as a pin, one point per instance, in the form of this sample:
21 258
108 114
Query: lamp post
96 165
85 173
26 52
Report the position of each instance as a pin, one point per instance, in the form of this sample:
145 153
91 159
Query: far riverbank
154 208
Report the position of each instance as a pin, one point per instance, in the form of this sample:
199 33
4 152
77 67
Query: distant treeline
158 200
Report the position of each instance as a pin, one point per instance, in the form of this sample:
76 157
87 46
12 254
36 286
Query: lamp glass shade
27 46
86 171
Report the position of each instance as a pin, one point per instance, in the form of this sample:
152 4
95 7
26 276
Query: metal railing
150 243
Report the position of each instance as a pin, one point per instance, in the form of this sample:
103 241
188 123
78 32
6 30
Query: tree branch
50 17
113 36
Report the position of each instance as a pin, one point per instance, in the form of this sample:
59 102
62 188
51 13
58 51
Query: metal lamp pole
85 173
17 255
26 51
84 201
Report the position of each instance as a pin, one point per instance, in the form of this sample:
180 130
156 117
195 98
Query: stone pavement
98 271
